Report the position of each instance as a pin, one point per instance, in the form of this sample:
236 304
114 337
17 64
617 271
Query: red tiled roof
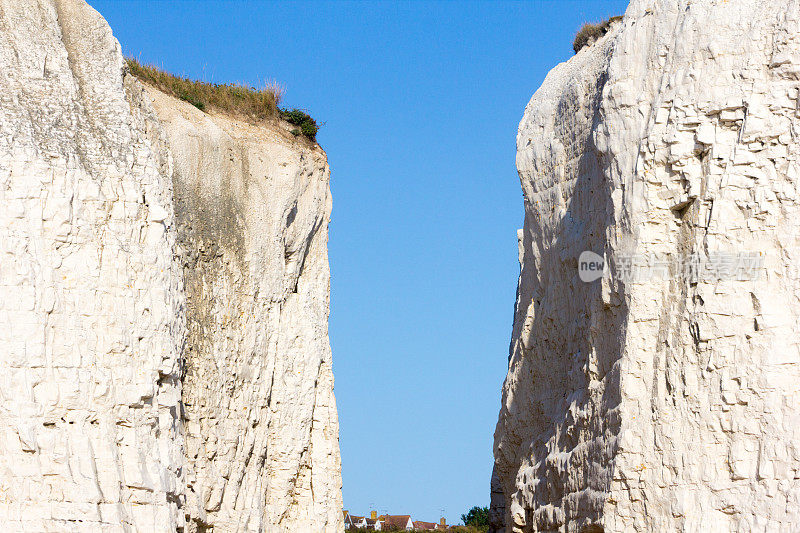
418 524
399 520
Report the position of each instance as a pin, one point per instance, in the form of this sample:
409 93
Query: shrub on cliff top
247 102
297 117
590 32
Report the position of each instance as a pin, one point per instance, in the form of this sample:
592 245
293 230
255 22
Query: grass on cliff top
590 32
253 104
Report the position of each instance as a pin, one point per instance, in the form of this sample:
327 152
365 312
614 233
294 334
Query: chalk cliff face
261 428
91 314
164 358
660 401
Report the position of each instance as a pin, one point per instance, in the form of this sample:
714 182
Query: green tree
477 516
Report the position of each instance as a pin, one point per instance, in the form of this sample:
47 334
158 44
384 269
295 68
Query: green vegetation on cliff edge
590 32
250 103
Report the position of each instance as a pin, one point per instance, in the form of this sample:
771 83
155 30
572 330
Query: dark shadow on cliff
565 356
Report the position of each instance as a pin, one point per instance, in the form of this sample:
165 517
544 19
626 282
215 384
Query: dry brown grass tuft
591 32
247 102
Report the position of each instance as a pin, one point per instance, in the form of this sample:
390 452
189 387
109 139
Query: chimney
373 515
442 521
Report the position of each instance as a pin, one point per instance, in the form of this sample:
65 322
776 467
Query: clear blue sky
420 103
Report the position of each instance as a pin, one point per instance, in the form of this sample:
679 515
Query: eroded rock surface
659 402
252 206
91 326
164 358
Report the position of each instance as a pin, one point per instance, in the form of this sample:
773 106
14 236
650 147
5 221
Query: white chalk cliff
659 402
164 355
